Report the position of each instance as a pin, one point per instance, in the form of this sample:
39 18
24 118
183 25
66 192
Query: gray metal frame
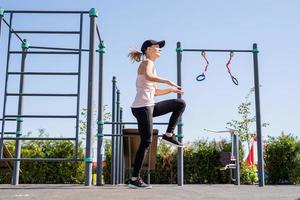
233 162
94 31
254 51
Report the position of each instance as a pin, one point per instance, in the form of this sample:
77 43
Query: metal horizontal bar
42 95
114 135
8 119
42 159
46 12
214 131
10 133
44 52
43 73
42 116
230 131
219 50
47 32
57 48
155 123
35 138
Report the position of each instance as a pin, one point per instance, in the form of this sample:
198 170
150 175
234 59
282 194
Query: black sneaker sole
170 143
136 187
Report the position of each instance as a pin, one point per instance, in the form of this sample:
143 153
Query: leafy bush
107 167
165 169
248 174
37 172
201 164
282 160
295 173
206 163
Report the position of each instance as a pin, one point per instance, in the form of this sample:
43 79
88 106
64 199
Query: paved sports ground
158 192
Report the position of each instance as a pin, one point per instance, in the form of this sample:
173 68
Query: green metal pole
16 172
180 135
100 116
258 119
91 98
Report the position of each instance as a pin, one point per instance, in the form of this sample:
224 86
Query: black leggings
144 116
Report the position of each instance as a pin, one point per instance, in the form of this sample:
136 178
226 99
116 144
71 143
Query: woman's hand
176 90
173 84
169 90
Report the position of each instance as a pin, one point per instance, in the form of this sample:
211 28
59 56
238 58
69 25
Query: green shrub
295 173
37 172
107 167
165 169
282 161
248 174
201 163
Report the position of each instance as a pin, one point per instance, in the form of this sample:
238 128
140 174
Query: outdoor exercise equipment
117 173
202 76
30 50
116 123
234 80
254 52
231 160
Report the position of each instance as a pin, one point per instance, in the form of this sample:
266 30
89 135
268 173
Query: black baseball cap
149 43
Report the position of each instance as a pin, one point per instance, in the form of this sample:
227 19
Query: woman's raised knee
180 103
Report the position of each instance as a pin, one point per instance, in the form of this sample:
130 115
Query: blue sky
273 25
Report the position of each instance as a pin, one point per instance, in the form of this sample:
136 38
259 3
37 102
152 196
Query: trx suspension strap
201 77
234 80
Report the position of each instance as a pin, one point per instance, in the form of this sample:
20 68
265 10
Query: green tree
83 120
244 124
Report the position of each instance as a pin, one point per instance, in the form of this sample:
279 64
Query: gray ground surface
158 192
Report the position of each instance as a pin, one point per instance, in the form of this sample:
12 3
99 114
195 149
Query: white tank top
145 91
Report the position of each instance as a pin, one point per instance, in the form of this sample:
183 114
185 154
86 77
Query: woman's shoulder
147 63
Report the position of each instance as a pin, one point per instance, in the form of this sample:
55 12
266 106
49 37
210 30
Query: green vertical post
16 172
91 98
100 116
260 156
180 135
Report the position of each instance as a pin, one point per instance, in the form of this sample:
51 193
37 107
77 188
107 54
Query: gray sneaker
138 183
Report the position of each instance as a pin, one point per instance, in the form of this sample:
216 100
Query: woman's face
153 51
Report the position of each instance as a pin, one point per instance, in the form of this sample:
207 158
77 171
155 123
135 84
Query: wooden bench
131 142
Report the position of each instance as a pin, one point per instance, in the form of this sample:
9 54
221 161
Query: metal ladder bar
78 86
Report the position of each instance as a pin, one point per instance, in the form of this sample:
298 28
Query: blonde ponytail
135 55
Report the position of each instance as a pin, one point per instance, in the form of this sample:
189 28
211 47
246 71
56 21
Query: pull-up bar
46 12
219 50
254 52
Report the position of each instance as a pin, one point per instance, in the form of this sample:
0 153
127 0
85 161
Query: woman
144 107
